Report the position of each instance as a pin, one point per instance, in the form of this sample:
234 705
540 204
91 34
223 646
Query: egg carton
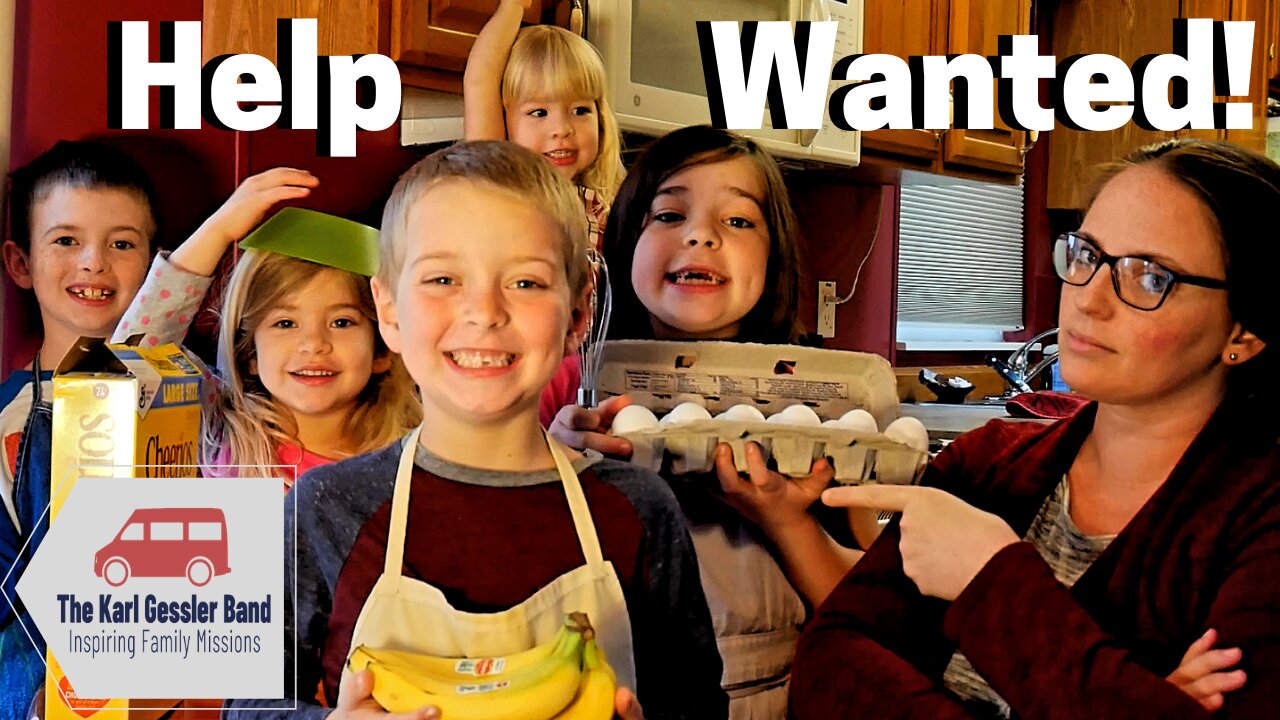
858 454
719 375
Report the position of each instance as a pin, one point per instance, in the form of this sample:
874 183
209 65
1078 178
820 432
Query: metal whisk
592 350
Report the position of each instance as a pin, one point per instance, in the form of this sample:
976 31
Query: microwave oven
653 66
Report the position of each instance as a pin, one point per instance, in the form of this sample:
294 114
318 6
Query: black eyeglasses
1139 282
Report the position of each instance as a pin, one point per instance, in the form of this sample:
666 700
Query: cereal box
119 411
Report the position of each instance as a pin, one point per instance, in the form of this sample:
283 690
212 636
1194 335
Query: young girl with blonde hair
543 87
303 376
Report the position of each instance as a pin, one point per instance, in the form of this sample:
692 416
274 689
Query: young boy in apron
476 534
82 228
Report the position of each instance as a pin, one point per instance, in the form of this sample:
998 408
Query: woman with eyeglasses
1069 570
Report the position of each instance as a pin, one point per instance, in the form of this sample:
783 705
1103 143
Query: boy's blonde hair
550 62
500 164
252 423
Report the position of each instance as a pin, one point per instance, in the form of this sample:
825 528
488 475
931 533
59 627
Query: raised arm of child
239 215
483 117
176 285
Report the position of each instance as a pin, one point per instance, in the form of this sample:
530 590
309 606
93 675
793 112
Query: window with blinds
959 255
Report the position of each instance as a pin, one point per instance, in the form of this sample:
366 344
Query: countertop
946 421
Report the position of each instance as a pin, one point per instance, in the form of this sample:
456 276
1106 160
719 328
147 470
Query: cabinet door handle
1032 137
577 20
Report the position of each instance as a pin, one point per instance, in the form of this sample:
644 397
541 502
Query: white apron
755 611
410 615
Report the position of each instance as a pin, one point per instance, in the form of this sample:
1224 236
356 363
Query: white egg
859 420
797 415
632 418
742 413
686 413
909 431
832 424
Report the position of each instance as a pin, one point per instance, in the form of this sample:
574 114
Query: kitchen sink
947 420
988 401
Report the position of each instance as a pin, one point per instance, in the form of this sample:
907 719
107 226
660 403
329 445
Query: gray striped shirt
1069 553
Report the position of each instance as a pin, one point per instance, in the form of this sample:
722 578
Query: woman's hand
626 705
769 499
945 541
355 702
581 428
239 215
1201 675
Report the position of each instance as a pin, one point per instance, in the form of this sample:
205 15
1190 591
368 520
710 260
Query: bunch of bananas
567 678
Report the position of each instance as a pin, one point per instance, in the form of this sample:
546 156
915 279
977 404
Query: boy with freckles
82 229
476 534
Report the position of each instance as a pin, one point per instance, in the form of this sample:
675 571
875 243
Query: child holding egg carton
702 245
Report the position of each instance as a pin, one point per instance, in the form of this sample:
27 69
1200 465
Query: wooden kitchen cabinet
942 27
428 39
904 29
1273 40
1261 12
344 27
976 27
1218 10
1127 32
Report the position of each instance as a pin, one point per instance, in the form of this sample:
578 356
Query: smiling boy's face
88 255
481 311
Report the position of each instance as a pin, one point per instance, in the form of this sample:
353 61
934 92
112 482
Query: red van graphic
166 542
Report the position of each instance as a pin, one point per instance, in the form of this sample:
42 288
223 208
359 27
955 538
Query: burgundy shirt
488 540
1203 552
486 548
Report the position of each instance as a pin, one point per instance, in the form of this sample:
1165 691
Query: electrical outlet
827 303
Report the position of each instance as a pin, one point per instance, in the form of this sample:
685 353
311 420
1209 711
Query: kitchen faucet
1014 370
